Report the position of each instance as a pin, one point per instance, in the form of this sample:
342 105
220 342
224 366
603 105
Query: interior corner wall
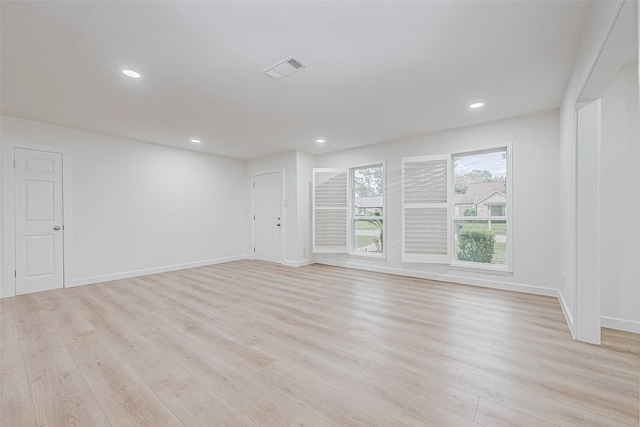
534 140
620 202
140 208
288 162
305 165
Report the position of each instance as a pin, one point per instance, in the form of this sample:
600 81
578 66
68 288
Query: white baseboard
620 324
144 272
567 313
297 263
493 284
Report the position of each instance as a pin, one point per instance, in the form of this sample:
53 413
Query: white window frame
352 216
508 217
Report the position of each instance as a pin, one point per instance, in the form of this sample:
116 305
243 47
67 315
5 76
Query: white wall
2 239
620 203
140 208
535 194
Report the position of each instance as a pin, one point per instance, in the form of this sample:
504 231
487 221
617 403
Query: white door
267 197
39 226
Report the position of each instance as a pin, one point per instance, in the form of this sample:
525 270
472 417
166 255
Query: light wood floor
252 343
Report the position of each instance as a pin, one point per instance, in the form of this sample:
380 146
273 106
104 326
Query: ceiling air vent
285 67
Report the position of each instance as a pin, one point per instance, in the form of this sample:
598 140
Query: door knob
57 227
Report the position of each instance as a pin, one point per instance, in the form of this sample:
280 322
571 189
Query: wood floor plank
59 392
619 402
16 404
5 308
621 340
256 343
396 402
31 320
338 407
516 398
10 351
432 391
124 399
25 303
148 361
197 405
65 311
245 358
263 404
491 414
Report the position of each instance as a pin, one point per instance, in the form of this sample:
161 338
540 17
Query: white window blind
425 209
330 210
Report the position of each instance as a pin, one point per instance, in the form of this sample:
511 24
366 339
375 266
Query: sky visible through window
494 162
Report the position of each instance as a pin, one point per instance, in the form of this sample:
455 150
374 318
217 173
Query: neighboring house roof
368 202
489 195
477 191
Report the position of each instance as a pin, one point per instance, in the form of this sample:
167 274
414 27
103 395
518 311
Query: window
481 234
456 209
425 209
349 221
368 210
496 210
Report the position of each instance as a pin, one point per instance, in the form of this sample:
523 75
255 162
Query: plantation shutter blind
425 209
330 210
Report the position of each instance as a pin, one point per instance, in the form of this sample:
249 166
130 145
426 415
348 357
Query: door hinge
15 273
254 217
254 249
14 164
254 185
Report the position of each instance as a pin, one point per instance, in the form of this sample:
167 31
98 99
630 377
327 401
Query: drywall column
588 291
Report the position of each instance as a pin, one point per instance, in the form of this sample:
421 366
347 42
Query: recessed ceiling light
320 141
476 105
195 141
131 73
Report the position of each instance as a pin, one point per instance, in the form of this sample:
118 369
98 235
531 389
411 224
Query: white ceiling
377 71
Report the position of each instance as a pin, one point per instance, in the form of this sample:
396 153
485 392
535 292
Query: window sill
380 257
462 266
